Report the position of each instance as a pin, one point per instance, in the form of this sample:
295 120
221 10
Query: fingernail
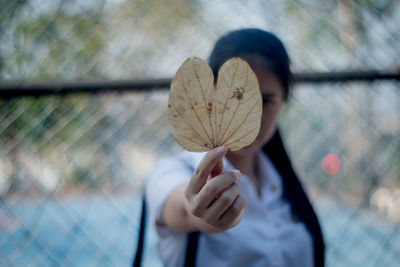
237 173
221 149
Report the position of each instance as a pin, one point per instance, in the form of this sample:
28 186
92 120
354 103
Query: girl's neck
245 163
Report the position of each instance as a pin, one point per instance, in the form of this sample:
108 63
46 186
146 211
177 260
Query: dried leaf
202 117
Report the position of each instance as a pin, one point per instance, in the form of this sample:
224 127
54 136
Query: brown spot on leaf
209 109
238 93
169 106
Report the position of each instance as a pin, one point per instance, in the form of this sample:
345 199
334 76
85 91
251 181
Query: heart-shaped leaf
203 117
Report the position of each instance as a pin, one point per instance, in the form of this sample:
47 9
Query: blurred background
72 164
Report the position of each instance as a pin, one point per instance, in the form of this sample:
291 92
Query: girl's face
272 95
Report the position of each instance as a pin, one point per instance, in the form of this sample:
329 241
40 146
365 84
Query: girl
253 211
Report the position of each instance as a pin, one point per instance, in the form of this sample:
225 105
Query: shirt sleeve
167 174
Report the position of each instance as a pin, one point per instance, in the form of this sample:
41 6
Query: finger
216 186
230 215
218 168
205 167
225 201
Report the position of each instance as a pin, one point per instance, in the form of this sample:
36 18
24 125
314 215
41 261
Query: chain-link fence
72 165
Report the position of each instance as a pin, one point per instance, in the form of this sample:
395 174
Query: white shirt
266 236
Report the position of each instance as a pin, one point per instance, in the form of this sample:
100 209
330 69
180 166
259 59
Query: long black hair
255 42
246 43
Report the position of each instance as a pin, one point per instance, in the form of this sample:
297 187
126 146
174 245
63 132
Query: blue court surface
101 230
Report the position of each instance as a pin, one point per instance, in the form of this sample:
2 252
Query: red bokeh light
331 164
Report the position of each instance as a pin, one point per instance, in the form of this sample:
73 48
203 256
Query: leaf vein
237 107
188 123
205 105
240 125
194 111
226 100
249 132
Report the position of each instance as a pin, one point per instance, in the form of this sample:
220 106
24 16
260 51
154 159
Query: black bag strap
142 230
191 249
191 246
